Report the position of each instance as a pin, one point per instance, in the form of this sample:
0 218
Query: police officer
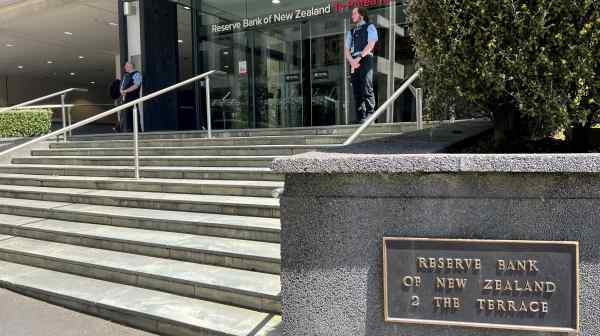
360 42
130 90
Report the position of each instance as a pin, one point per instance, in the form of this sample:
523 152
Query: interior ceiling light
72 74
276 2
50 62
179 41
68 33
9 45
81 57
20 67
186 7
92 82
114 24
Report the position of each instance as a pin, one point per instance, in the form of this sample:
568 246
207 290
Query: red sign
349 4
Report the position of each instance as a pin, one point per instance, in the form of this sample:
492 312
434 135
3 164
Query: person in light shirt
360 42
131 85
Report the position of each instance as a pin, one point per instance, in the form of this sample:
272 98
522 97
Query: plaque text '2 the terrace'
496 284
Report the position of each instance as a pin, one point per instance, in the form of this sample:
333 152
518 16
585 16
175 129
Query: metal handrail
384 107
125 106
43 107
33 101
63 105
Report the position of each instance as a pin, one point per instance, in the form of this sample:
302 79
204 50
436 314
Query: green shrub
25 123
533 65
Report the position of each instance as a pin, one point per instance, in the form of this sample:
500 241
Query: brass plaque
520 285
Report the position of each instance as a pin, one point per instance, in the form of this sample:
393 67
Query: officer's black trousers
127 118
362 86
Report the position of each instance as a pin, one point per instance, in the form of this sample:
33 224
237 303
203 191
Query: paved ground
24 316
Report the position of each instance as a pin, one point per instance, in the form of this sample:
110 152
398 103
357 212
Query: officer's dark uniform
362 78
127 115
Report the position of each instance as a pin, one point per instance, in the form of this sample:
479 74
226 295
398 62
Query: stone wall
336 209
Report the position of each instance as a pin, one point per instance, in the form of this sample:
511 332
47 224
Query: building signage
292 77
520 285
243 67
294 14
321 75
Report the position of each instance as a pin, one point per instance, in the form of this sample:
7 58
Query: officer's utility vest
128 82
360 38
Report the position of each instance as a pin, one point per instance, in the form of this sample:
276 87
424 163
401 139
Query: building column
160 62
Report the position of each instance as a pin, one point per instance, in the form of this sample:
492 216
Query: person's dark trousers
362 86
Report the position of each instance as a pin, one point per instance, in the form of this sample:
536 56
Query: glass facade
284 63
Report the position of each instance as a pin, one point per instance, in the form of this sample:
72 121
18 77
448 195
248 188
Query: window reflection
285 75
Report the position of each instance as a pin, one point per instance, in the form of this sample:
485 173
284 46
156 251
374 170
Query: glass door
404 56
229 93
326 71
285 75
277 76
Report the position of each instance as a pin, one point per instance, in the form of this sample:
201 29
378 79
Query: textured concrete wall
333 225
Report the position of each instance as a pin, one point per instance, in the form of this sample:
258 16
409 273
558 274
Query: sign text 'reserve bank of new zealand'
294 14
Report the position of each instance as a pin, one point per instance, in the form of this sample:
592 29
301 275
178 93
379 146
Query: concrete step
295 131
215 204
240 141
225 226
208 151
204 187
152 161
225 252
194 173
151 310
247 289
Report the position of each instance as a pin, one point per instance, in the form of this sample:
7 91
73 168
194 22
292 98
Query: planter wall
336 209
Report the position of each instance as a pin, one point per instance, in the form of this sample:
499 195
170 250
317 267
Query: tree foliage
540 58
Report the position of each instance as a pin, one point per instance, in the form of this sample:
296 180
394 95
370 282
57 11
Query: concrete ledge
338 206
340 163
397 154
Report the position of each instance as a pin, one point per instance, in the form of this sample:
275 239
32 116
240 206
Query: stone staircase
191 249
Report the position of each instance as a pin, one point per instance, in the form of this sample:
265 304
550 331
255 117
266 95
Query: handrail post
69 121
136 152
419 107
208 112
63 97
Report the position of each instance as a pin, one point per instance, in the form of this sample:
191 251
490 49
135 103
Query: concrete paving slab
25 316
164 158
153 168
214 199
267 251
41 190
25 202
225 246
18 220
162 307
275 139
213 276
146 181
262 223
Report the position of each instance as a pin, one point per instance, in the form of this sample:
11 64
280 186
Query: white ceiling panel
32 32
